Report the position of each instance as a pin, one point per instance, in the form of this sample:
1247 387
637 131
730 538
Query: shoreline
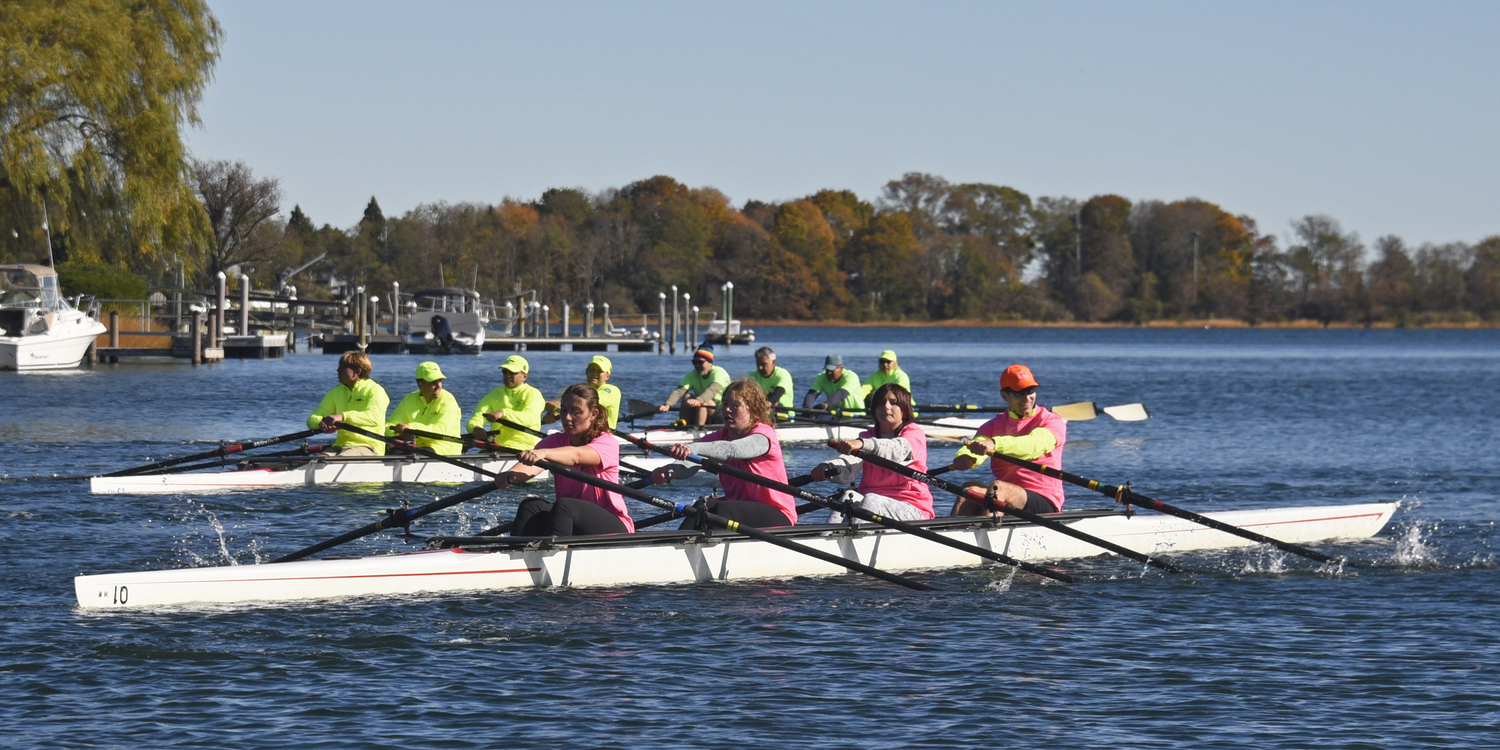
1205 323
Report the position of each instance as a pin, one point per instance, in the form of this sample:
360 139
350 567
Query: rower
585 444
838 386
357 400
701 386
747 442
515 401
887 371
1026 431
895 437
430 408
775 381
598 373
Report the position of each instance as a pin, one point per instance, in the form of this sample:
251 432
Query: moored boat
665 557
39 329
320 470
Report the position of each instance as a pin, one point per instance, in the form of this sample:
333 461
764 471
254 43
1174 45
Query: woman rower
748 442
587 445
895 437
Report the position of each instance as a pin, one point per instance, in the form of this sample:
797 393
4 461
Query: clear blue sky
1382 115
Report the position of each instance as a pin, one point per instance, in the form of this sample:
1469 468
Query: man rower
775 381
430 408
1025 431
515 401
702 387
887 371
597 372
356 400
838 386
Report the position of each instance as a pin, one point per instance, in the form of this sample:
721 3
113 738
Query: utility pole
1078 242
1195 269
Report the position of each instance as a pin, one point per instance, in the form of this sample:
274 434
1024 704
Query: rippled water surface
1250 648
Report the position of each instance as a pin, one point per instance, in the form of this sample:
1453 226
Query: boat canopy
29 285
447 299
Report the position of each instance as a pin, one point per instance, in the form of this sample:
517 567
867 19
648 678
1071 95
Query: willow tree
93 94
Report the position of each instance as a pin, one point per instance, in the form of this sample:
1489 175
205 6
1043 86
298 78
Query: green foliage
93 94
101 280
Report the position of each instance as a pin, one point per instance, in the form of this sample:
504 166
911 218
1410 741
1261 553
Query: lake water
1252 647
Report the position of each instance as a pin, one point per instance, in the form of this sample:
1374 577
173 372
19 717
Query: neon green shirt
849 384
609 398
521 405
1029 447
780 378
698 384
879 378
441 416
363 406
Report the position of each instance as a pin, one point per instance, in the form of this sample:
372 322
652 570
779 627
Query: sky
1381 115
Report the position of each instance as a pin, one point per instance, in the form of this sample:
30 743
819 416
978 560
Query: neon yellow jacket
609 398
521 405
879 378
1028 447
363 406
442 416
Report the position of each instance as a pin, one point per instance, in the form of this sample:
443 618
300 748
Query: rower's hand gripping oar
398 518
682 471
539 433
558 469
719 467
1126 496
1020 513
219 452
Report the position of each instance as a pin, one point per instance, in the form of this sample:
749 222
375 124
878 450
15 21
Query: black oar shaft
539 433
397 518
417 449
1127 496
719 467
735 526
1020 513
219 452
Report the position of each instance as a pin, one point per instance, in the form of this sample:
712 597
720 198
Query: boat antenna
46 227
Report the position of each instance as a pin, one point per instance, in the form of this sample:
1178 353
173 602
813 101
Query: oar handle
400 517
1020 513
718 467
539 433
1127 496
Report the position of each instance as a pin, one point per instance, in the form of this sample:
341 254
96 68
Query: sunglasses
1024 392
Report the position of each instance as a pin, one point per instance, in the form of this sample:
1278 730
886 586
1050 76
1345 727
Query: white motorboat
307 471
446 320
39 330
658 557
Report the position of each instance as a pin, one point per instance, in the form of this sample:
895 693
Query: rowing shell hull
331 471
636 559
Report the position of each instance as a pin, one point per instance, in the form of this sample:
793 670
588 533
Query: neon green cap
429 371
604 364
888 354
516 363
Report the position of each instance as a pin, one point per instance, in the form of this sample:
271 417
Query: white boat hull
331 471
61 348
636 559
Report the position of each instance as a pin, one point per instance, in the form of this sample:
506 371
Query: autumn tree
240 208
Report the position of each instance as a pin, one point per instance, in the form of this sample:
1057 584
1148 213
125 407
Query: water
1252 647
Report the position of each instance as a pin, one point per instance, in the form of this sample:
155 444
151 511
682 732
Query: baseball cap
888 355
516 363
833 362
1017 377
429 371
602 361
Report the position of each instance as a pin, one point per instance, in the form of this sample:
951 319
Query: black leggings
569 516
748 512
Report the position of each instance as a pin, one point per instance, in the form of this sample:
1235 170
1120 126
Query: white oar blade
1079 412
1128 412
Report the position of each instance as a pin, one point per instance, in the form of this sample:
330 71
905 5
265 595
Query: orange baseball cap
1017 377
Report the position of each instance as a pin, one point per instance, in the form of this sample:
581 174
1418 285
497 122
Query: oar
416 449
1020 513
219 452
1127 496
395 518
466 440
558 469
639 484
1081 411
306 450
539 433
802 509
719 467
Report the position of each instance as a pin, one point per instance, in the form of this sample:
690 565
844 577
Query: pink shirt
769 466
1006 425
608 449
895 486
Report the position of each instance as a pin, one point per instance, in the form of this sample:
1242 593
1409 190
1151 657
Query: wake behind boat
657 557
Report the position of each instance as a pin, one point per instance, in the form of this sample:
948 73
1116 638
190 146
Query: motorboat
39 329
446 320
